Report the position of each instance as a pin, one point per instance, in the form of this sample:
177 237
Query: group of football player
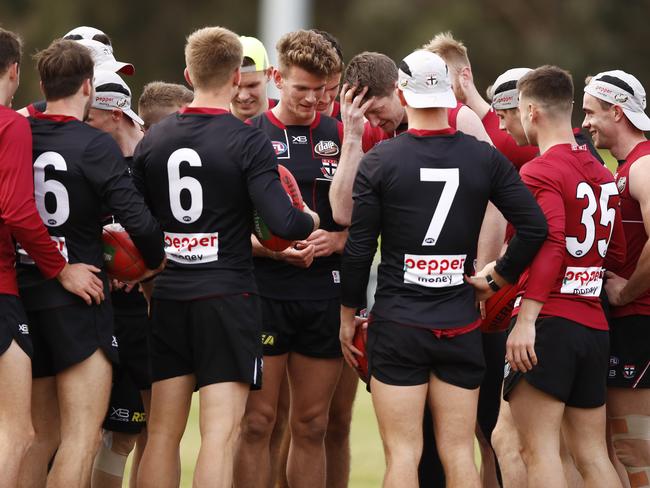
466 195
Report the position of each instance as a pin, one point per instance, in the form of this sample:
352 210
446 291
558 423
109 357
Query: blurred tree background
583 36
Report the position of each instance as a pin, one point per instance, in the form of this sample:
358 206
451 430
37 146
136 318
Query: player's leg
571 472
281 438
257 426
110 461
171 400
399 411
312 382
584 433
221 411
494 350
430 470
337 439
141 441
507 446
83 391
618 466
538 417
628 396
16 431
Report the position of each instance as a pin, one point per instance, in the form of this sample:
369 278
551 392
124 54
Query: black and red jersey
425 193
202 171
580 201
311 153
634 228
19 217
36 107
79 173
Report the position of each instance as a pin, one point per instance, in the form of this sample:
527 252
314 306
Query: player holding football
422 304
614 104
299 286
202 170
557 349
79 173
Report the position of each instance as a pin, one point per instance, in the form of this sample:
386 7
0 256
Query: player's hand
150 273
314 216
614 285
520 346
81 280
346 336
327 243
487 269
301 254
481 287
353 111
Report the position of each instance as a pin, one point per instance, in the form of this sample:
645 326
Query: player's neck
212 99
287 117
74 106
624 143
475 101
128 139
427 118
551 133
6 92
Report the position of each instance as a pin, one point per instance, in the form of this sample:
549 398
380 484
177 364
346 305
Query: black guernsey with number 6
80 176
202 171
426 193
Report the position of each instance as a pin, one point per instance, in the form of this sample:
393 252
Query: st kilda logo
326 148
328 167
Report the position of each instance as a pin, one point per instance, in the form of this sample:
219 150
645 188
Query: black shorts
216 339
407 356
13 325
65 336
571 363
125 410
489 399
131 331
308 327
629 352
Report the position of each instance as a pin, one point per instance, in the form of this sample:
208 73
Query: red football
498 309
359 341
260 229
122 259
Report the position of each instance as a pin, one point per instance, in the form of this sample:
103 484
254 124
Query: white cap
504 90
111 92
85 32
620 88
424 81
104 59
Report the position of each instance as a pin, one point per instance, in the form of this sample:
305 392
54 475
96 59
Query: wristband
491 283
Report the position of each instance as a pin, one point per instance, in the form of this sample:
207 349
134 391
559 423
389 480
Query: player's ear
277 78
14 71
186 74
87 87
237 78
618 113
116 114
400 95
268 73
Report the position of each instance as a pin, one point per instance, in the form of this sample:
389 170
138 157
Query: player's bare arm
520 347
352 115
619 290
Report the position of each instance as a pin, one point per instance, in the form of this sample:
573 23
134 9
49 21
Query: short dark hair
549 85
10 50
373 70
307 50
63 67
335 44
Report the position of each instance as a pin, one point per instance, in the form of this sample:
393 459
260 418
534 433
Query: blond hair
307 50
453 52
160 99
212 54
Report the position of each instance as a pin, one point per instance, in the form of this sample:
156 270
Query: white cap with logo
620 88
85 32
104 59
504 90
424 81
112 93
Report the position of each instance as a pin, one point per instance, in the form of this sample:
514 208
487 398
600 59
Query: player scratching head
614 103
251 98
160 99
66 71
424 88
505 102
545 106
213 57
377 74
306 62
10 56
